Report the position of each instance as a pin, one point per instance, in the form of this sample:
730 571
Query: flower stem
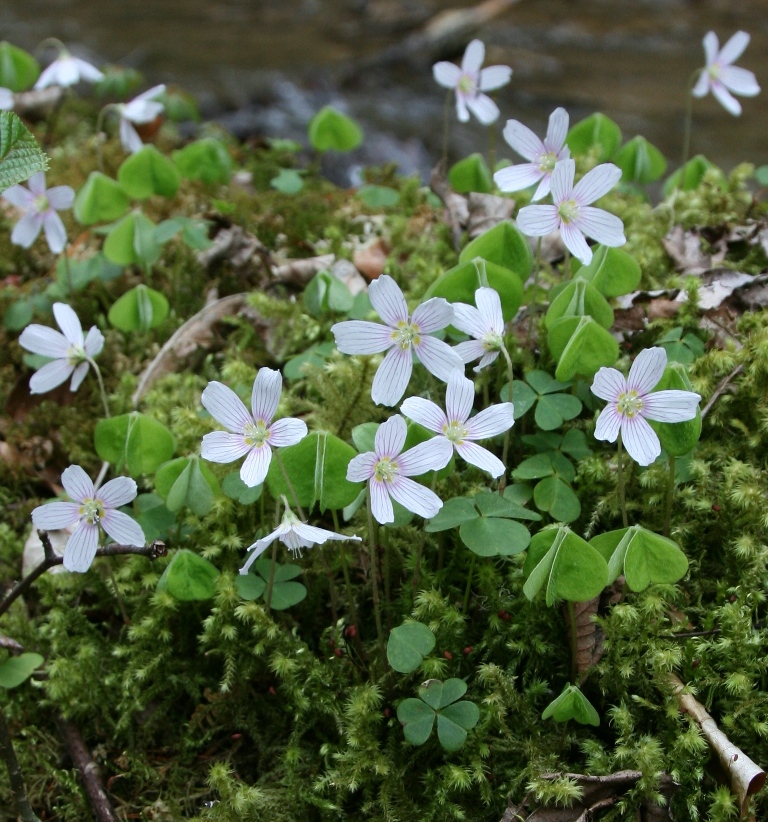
374 580
670 494
689 117
532 306
446 130
103 390
15 776
273 559
288 482
491 147
574 642
423 537
507 435
118 597
622 498
468 589
567 264
68 272
387 598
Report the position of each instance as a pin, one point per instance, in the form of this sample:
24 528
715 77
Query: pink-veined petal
81 547
671 406
459 397
60 197
494 77
392 377
388 300
425 412
640 440
361 337
265 395
557 130
734 48
49 376
562 180
468 319
56 515
69 323
415 497
483 108
437 357
431 455
257 549
711 47
702 84
433 315
129 137
311 533
223 447
55 232
36 183
25 232
608 384
608 424
486 360
543 188
726 99
596 183
360 468
254 470
19 196
39 339
601 225
123 529
78 375
390 437
491 421
481 457
462 112
489 306
87 71
446 74
287 431
117 492
225 407
647 370
472 61
471 350
381 504
519 177
575 242
524 141
77 483
94 342
538 220
739 81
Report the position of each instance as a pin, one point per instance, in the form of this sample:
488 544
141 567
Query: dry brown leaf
684 247
371 258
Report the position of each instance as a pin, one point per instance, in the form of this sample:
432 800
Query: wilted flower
6 99
253 433
485 323
457 428
402 335
295 535
631 403
721 77
71 351
67 70
140 110
40 205
470 81
386 471
90 509
571 212
541 156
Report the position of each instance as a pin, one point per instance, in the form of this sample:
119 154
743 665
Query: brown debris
684 247
299 272
371 258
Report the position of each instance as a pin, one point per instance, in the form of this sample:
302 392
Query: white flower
572 212
455 426
295 535
541 156
485 323
387 470
90 509
142 109
6 99
71 351
67 70
253 433
470 81
402 336
631 403
40 205
721 77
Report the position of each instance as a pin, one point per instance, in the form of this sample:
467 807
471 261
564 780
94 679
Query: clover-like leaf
407 646
581 346
189 577
505 245
18 669
285 591
596 134
640 161
330 130
471 174
187 481
579 298
572 704
612 271
134 440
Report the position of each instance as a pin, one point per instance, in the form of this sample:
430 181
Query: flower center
255 433
629 404
41 203
385 470
76 354
492 341
456 432
91 511
547 162
467 84
406 334
568 211
714 71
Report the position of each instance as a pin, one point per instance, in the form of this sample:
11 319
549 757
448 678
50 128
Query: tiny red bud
468 650
236 736
447 654
272 691
695 663
716 508
350 631
337 651
387 712
733 598
331 643
504 615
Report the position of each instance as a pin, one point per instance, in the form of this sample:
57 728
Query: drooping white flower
402 336
485 323
295 535
387 471
40 205
455 426
6 99
470 81
90 509
67 70
541 156
252 433
631 402
140 110
71 351
572 212
721 77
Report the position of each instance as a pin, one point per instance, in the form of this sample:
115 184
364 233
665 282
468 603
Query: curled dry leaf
371 258
684 247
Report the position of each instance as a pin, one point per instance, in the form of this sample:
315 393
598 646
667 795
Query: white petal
360 337
492 421
481 457
462 112
473 58
596 183
48 77
739 81
468 319
608 424
265 395
647 370
519 177
142 111
392 377
254 470
724 97
388 300
431 455
49 376
433 315
87 71
575 243
260 546
123 529
78 375
94 342
222 446
81 547
7 101
671 406
19 196
39 339
26 230
55 515
543 188
494 77
55 233
489 305
77 483
486 360
446 74
471 350
711 47
538 220
60 197
150 94
36 183
415 497
390 437
562 180
381 504
734 48
523 141
360 468
600 225
117 492
557 130
67 71
608 384
129 137
640 440
483 108
437 357
702 84
425 412
459 397
287 431
69 323
225 407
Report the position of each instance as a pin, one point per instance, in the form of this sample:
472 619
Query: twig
15 777
720 390
11 645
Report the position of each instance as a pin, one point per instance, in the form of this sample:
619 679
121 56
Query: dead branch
720 390
15 776
11 645
300 272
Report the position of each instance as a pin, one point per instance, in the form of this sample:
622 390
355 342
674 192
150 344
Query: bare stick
15 777
720 390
